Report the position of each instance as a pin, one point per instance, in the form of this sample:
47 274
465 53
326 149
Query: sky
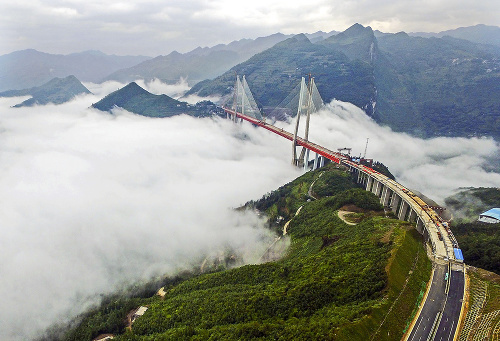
91 202
158 27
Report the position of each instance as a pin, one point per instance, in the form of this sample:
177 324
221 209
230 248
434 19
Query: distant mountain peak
133 87
357 30
297 39
56 91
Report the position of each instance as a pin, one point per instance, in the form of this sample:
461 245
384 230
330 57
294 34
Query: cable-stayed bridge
440 312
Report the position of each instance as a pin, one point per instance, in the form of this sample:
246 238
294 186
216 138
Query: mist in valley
93 201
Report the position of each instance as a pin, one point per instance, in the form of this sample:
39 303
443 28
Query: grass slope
482 320
336 282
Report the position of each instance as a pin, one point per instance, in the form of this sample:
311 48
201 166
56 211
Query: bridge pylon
243 100
309 101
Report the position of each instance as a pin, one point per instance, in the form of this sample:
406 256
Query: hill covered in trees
336 280
137 100
56 91
424 86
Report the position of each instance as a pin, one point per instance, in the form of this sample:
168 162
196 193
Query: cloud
157 87
155 27
91 201
435 167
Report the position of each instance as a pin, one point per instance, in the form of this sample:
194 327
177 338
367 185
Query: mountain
198 64
135 99
274 73
438 86
29 68
482 34
56 91
336 281
423 86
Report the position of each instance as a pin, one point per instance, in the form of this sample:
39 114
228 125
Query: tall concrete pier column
403 210
369 184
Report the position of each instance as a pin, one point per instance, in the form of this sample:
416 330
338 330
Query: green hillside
424 86
274 73
196 65
56 91
336 281
135 99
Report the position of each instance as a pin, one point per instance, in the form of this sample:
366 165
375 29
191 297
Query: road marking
417 329
451 330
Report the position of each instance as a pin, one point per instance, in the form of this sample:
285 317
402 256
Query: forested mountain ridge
482 34
273 73
337 281
56 91
198 64
424 86
137 100
203 62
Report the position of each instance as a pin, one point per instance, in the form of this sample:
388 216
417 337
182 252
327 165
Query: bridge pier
395 203
369 184
412 218
420 226
360 176
403 210
379 186
306 160
386 196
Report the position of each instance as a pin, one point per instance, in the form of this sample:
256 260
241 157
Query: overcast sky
155 27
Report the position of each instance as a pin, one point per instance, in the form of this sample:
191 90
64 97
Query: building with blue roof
458 255
491 216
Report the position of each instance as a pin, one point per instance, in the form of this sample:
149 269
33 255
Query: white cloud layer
158 27
435 167
90 201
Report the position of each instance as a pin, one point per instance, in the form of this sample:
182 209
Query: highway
433 305
451 313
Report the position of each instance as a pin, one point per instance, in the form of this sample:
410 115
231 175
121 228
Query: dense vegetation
274 73
56 91
337 281
480 242
135 99
438 86
424 86
196 65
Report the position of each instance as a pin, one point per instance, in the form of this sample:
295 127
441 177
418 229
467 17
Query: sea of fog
91 202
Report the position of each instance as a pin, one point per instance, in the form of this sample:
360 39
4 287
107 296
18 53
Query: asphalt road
451 313
433 304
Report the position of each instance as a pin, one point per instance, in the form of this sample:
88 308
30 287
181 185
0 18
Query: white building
139 312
